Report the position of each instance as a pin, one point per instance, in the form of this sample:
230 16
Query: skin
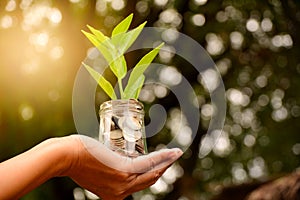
88 163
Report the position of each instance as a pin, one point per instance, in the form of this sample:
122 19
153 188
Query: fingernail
176 153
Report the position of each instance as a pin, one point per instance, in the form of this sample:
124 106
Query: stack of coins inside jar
122 127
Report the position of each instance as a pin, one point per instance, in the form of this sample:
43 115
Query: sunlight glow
184 136
295 111
249 140
159 187
239 173
256 167
6 21
217 141
29 68
56 52
266 25
179 127
170 16
117 5
26 112
147 94
200 2
246 118
74 1
209 79
198 19
236 39
90 195
54 15
276 100
207 163
215 44
39 40
236 130
223 65
142 7
53 95
36 14
280 114
243 77
160 91
284 40
207 111
261 81
101 7
221 16
148 197
170 76
166 53
296 149
222 145
109 21
25 4
170 35
252 25
161 2
263 100
11 5
236 97
172 173
78 194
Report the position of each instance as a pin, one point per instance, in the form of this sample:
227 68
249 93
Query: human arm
88 163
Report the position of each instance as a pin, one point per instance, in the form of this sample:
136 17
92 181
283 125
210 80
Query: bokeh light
253 43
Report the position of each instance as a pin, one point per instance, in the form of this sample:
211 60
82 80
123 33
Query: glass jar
122 127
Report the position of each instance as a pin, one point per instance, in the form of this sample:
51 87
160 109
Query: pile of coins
125 135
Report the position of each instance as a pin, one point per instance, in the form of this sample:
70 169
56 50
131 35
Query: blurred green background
255 45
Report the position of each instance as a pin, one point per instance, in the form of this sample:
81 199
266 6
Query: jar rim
133 104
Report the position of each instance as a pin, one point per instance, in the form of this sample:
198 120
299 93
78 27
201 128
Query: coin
137 135
116 134
121 122
130 146
133 123
129 135
139 146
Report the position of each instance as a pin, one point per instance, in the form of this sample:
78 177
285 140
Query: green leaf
102 39
132 91
91 38
137 93
99 35
104 47
116 61
104 84
113 50
123 41
141 66
119 67
123 26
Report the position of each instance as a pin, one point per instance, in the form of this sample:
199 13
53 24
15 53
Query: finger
141 164
103 154
145 180
154 161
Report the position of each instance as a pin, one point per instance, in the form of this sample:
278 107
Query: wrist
68 148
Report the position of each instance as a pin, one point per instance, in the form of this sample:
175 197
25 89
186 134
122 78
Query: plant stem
121 88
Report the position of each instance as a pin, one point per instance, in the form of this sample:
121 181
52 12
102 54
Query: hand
112 176
88 162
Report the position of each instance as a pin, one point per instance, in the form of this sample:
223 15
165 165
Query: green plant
113 49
